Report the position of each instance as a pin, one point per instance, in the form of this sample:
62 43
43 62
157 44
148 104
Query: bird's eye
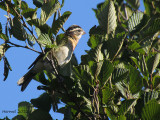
79 30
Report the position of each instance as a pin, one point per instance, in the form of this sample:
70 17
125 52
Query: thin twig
23 47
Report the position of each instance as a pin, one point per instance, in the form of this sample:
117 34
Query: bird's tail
25 80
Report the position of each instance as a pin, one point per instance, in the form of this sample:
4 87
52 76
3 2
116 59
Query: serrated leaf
106 15
57 24
134 46
31 40
119 74
134 3
114 45
25 109
150 95
30 13
45 40
38 3
39 115
107 95
134 20
48 9
42 102
126 106
95 40
106 71
136 80
18 30
151 111
151 27
39 24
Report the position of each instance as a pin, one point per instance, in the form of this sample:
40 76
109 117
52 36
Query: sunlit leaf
45 40
48 9
106 15
134 3
25 109
3 49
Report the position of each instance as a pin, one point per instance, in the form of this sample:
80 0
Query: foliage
118 78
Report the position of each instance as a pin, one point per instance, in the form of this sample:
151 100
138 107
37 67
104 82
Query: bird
62 53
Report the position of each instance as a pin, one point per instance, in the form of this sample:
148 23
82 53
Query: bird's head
75 32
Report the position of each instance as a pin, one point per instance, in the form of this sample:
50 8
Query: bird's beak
84 32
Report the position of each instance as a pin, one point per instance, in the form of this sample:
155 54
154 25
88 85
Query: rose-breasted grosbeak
62 53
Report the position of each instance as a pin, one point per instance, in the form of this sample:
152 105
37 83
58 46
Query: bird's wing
37 59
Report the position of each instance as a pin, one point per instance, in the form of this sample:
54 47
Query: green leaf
134 20
40 115
25 109
41 78
18 30
134 3
126 106
43 102
38 3
82 73
151 111
7 67
136 80
106 71
121 117
39 24
150 95
24 5
48 9
30 13
107 94
151 27
134 46
57 24
3 49
45 40
148 7
119 74
114 45
107 18
95 40
67 113
4 37
31 40
17 117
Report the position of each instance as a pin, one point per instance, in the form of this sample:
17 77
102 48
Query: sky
20 58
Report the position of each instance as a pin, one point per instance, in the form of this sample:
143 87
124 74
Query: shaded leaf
18 30
30 13
40 115
57 24
7 67
106 71
38 3
0 28
134 3
107 95
25 109
43 102
136 80
126 106
39 24
151 111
